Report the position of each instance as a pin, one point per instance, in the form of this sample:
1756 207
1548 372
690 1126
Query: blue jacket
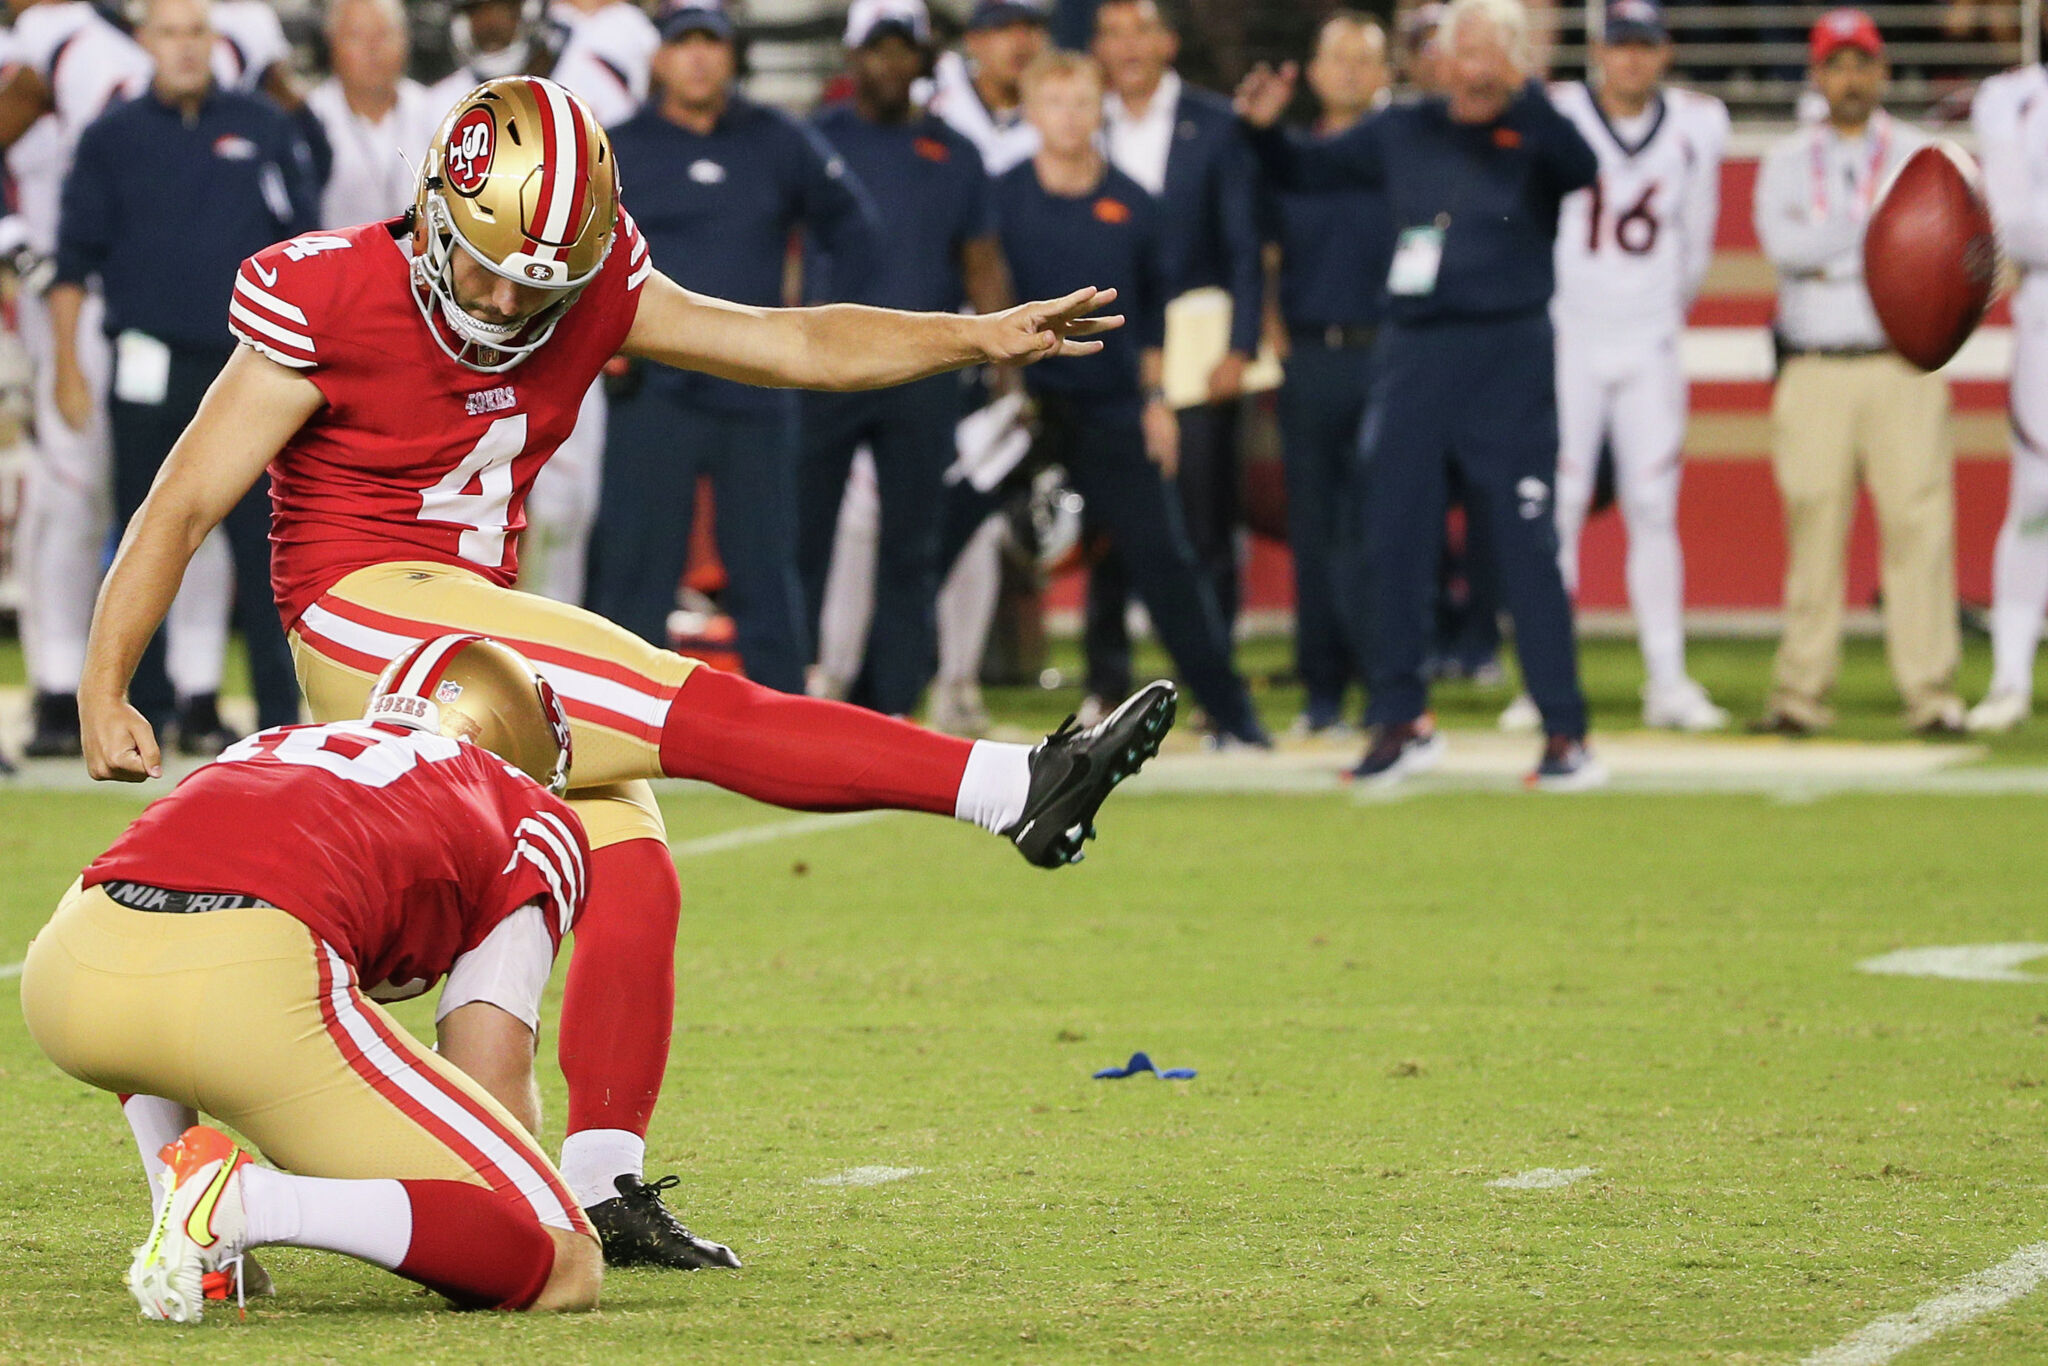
1209 212
930 192
164 212
1334 251
1108 237
718 210
1498 184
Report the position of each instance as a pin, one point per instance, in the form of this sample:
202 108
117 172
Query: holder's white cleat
194 1251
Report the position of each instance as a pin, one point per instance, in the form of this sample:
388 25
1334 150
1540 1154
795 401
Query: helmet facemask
491 348
520 177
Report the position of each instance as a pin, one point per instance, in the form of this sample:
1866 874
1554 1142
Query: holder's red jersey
415 456
401 849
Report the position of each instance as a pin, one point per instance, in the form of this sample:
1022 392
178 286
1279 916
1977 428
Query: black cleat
1073 770
56 734
637 1229
200 730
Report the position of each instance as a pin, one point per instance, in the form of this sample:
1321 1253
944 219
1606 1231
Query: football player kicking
408 379
224 955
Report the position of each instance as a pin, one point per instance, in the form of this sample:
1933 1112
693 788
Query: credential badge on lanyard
1418 254
1866 189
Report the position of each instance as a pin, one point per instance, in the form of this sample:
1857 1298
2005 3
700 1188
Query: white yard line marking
774 830
1973 1298
11 970
1543 1178
867 1176
1961 962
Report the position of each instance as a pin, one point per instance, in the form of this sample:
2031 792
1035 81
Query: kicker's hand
1034 331
119 744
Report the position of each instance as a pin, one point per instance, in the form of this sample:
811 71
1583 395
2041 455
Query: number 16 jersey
415 456
1633 248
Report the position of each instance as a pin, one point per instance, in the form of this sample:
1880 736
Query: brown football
1930 259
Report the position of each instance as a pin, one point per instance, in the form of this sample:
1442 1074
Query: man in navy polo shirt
1333 273
1183 146
167 194
938 249
717 184
1067 215
1465 374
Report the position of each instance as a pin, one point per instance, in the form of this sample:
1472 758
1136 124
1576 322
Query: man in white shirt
68 65
1847 405
2010 115
378 121
1184 146
1631 254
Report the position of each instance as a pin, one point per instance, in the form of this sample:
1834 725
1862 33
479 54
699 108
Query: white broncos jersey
88 65
606 57
248 40
2010 115
1633 248
1005 141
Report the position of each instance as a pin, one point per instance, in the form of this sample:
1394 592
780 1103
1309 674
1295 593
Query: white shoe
194 1252
1683 705
1090 712
1998 713
1521 716
957 709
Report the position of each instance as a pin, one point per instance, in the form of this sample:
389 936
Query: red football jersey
401 849
415 456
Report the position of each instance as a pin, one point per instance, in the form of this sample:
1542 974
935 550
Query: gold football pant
247 1016
617 688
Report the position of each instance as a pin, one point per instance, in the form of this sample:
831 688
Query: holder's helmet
473 688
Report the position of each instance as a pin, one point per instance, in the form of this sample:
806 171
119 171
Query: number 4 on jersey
486 508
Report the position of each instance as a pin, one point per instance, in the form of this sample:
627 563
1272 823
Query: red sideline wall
1729 516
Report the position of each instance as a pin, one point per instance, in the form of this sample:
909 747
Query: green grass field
1390 1004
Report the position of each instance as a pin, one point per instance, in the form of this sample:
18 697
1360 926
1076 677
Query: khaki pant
1834 418
616 687
248 1017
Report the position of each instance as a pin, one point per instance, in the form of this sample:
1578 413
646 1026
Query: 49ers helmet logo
470 146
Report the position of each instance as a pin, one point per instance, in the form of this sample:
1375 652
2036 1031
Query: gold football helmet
473 688
521 177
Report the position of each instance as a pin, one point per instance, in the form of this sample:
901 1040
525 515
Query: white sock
995 786
156 1123
594 1159
370 1220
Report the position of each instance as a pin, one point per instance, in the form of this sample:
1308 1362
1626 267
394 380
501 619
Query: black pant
1208 487
143 435
656 446
1321 407
910 431
1480 396
1102 444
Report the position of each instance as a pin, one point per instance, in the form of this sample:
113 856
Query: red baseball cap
1842 28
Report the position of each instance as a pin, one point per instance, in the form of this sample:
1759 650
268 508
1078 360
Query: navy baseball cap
989 14
685 17
1634 21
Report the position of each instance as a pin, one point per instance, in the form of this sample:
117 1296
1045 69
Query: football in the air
1930 258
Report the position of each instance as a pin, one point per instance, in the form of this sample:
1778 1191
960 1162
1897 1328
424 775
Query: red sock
475 1246
621 997
806 754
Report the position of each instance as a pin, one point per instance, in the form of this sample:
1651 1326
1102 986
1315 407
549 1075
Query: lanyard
1866 191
